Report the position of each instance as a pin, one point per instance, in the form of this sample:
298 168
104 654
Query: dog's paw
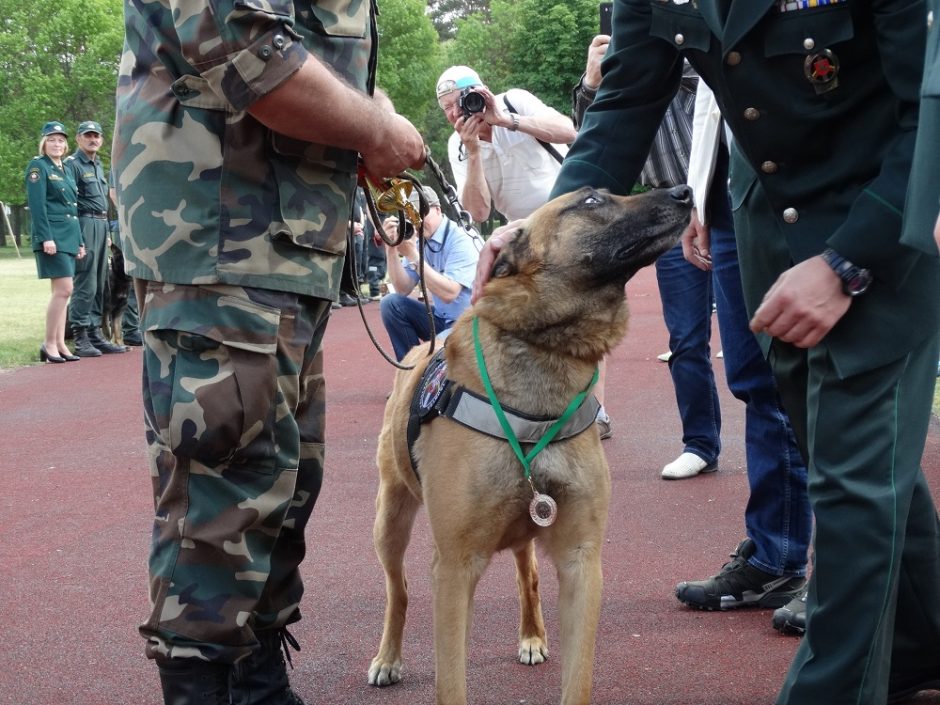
532 651
382 673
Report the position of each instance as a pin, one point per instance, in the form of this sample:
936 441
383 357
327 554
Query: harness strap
436 395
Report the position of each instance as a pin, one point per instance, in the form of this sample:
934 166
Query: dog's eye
591 200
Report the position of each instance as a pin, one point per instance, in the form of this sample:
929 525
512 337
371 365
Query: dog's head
575 253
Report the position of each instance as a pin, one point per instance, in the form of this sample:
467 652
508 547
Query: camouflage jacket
206 193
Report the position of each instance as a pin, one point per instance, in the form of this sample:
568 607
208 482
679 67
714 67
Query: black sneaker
739 584
791 618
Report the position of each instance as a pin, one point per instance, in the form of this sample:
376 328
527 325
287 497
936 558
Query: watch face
858 283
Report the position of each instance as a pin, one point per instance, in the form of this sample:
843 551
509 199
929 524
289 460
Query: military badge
34 175
822 70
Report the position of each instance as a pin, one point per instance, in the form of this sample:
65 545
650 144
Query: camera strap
548 147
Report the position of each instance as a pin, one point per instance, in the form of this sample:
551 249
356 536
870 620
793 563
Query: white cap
457 78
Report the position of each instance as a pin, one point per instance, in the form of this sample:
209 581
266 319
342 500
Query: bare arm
387 142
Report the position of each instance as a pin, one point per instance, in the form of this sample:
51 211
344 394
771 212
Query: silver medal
543 509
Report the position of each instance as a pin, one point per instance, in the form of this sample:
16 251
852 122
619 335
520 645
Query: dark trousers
91 275
873 607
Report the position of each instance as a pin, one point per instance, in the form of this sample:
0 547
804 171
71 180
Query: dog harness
436 395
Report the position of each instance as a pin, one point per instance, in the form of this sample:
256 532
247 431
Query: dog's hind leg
396 508
533 643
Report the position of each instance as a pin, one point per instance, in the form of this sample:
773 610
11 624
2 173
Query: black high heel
69 357
46 357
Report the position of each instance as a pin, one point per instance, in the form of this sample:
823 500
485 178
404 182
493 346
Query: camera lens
409 230
472 102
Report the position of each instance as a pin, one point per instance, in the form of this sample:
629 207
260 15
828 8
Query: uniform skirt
54 266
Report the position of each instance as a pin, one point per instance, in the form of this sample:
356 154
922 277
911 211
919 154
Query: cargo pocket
212 377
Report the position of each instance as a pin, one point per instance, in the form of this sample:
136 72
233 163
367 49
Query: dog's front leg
455 580
533 643
579 606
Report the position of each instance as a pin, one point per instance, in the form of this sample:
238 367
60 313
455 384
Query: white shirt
518 170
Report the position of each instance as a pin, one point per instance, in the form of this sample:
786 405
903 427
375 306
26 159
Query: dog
552 309
115 298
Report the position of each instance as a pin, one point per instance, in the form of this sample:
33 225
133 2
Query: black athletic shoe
791 618
739 584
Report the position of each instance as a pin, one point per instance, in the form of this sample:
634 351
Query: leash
392 196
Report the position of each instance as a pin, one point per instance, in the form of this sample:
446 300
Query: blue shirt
452 252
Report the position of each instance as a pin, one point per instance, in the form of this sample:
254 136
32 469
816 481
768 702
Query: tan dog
554 307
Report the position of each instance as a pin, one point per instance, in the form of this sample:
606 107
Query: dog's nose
682 193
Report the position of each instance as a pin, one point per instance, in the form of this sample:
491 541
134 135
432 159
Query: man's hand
500 237
803 305
696 240
402 148
596 52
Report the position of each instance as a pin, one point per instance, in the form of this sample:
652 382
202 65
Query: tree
445 13
60 60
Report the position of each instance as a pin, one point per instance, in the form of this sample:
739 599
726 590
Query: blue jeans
406 322
778 517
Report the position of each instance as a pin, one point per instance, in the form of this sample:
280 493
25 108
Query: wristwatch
855 280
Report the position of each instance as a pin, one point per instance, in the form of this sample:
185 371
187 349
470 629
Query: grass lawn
23 300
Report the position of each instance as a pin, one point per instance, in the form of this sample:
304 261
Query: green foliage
60 62
409 56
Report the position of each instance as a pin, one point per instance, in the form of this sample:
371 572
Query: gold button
733 58
769 167
751 114
680 39
809 44
791 215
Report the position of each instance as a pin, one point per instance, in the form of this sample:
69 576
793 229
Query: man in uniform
822 99
235 161
91 272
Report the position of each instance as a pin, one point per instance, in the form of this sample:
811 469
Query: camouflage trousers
234 403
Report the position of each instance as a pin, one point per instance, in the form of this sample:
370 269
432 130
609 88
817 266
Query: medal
543 509
822 70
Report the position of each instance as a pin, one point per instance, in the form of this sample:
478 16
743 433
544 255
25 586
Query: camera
409 229
470 102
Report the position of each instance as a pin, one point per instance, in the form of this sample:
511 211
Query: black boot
261 678
83 346
190 681
108 348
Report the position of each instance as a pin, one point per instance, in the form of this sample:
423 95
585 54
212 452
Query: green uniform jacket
91 182
823 103
206 193
53 207
923 198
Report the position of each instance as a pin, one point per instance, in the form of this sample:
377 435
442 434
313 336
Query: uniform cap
88 126
457 78
53 128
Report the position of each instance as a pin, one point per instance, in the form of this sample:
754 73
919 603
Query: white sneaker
603 424
664 357
687 465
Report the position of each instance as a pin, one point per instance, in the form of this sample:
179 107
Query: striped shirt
668 161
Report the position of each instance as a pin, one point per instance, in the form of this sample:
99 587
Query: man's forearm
396 273
475 196
441 286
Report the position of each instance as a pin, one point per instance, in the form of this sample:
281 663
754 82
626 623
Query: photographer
450 262
506 149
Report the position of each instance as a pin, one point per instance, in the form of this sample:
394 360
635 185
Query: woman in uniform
57 238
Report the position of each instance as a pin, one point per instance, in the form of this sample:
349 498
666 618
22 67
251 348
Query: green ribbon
573 406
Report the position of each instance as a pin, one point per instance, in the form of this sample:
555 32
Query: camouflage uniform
239 233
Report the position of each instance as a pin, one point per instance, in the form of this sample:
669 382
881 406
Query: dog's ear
510 259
